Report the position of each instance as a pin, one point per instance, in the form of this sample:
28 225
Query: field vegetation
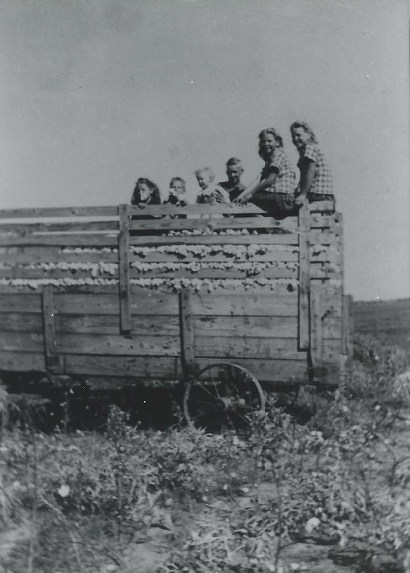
319 485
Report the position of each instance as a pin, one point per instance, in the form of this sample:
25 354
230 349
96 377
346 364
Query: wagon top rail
112 211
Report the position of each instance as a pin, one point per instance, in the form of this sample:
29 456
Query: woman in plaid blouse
316 182
277 182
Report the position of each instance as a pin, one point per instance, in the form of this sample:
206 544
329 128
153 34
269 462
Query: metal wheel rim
225 403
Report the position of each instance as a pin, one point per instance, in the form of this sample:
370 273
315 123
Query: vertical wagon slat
49 334
304 276
124 267
187 331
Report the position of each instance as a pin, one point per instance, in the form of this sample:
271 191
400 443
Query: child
209 193
234 171
316 181
177 193
276 186
145 193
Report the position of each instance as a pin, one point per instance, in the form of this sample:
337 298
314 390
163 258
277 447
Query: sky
96 93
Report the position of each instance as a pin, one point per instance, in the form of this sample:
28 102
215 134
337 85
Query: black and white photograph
204 286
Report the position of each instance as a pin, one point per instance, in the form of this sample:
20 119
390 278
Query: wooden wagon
220 297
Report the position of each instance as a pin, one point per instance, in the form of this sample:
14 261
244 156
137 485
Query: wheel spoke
198 383
216 387
222 394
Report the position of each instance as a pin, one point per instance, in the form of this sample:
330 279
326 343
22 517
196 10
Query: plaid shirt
323 182
286 180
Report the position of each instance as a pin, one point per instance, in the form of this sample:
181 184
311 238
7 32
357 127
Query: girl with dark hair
145 193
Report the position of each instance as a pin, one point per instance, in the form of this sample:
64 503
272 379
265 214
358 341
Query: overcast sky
96 93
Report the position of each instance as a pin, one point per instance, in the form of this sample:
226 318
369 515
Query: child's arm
221 196
254 188
307 176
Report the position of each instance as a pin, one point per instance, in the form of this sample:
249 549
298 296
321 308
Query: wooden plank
208 326
230 273
235 347
142 367
265 327
288 254
49 334
317 237
22 361
269 371
21 302
322 206
104 301
117 345
162 345
62 240
196 209
124 268
170 368
111 211
21 341
59 227
186 331
322 221
304 277
13 322
347 343
144 326
54 256
316 329
56 273
59 212
227 209
154 303
237 271
285 253
286 225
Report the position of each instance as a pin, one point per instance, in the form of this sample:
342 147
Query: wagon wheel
222 395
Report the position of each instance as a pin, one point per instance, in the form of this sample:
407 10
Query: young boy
234 172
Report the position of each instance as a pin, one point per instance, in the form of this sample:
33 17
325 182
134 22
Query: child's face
204 179
300 137
177 187
144 190
234 173
267 144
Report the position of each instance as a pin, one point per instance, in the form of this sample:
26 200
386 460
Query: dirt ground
322 489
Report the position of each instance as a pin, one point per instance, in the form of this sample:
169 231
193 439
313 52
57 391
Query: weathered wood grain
304 220
154 303
143 302
73 227
124 269
205 210
20 302
163 224
22 361
49 334
62 240
148 325
187 336
320 237
163 345
59 212
112 211
170 368
27 322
